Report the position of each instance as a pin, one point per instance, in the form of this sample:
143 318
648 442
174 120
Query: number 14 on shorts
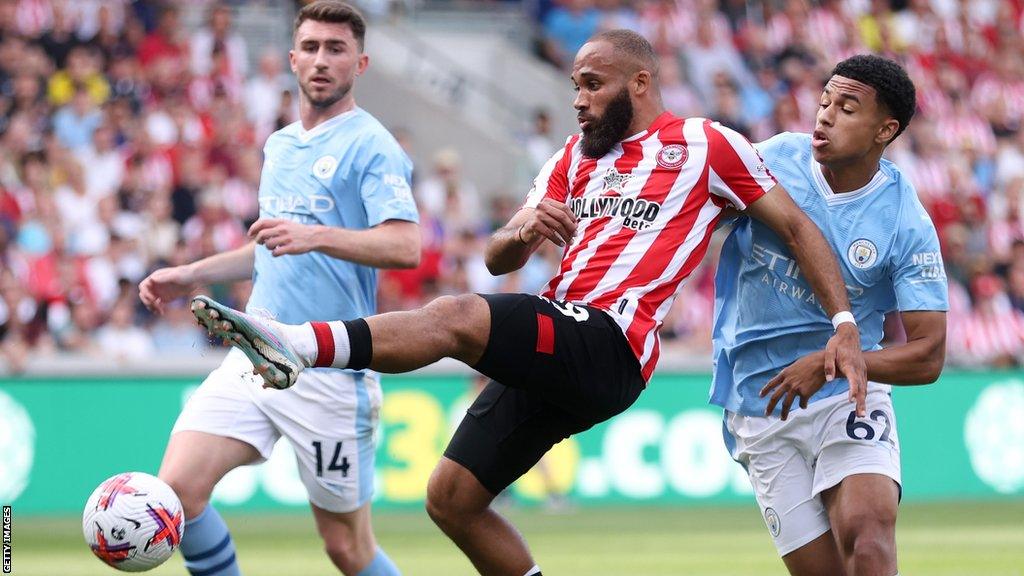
334 465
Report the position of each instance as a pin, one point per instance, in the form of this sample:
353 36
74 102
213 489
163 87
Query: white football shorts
790 463
329 416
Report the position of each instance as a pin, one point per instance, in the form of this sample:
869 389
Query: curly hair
894 88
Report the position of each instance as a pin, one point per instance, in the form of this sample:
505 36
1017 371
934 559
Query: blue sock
207 546
381 565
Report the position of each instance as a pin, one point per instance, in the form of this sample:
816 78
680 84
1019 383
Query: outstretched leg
451 326
448 327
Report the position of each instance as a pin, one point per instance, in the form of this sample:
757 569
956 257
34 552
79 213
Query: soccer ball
133 521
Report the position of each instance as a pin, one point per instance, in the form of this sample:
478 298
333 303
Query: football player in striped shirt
632 202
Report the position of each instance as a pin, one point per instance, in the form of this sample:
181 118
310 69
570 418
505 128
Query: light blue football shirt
347 172
767 317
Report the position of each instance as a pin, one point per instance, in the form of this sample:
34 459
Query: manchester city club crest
325 166
773 522
862 253
672 156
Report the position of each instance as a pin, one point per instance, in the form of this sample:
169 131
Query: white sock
301 338
532 571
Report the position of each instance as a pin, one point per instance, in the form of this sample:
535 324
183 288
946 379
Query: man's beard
605 132
328 100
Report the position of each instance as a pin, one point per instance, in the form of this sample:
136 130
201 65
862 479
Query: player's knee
872 548
456 317
869 536
440 500
193 498
445 505
345 553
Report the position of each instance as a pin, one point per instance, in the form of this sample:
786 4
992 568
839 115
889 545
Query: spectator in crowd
120 338
677 94
58 37
540 144
165 41
75 122
217 38
176 334
102 161
263 93
708 56
17 311
992 333
567 27
448 196
102 26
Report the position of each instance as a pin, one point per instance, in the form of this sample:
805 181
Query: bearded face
602 133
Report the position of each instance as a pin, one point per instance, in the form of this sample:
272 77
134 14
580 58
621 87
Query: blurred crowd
129 142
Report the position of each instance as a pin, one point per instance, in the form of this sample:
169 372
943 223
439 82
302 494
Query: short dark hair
894 88
334 12
632 44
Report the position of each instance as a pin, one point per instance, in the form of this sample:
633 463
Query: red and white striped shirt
646 213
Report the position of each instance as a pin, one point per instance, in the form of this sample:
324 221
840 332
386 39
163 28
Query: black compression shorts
556 369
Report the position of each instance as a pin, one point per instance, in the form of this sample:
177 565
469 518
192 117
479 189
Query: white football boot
272 357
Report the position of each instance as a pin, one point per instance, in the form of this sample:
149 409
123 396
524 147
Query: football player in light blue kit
828 480
335 205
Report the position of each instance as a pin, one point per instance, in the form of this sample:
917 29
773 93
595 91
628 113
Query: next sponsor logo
931 267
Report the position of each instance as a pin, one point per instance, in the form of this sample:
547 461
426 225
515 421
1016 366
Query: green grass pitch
961 539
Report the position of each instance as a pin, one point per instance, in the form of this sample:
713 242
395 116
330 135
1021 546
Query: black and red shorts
556 369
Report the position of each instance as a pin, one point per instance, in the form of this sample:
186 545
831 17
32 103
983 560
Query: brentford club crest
672 156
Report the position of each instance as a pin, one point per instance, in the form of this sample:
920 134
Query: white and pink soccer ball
133 521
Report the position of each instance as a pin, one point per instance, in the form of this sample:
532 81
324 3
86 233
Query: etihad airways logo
636 213
276 205
784 275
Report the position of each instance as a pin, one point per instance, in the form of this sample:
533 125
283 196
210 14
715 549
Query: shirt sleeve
553 179
384 187
737 174
918 276
772 145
